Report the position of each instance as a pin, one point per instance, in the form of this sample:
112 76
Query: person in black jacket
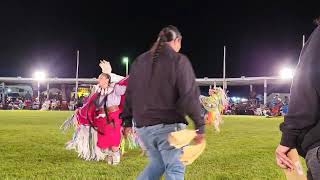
161 91
301 127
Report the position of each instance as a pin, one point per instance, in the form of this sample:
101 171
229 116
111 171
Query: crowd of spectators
15 102
255 106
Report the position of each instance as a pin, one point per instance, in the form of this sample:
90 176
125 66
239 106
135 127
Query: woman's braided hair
106 98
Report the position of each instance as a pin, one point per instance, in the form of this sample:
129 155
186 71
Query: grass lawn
32 147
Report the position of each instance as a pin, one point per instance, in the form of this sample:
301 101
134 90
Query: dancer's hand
105 66
282 159
199 138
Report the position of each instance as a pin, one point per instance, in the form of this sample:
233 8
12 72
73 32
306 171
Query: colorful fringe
132 140
84 140
84 143
214 105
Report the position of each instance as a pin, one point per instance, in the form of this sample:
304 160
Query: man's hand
199 138
282 159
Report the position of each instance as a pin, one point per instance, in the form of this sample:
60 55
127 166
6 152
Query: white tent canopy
52 91
242 81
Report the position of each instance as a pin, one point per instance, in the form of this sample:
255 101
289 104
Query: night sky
260 37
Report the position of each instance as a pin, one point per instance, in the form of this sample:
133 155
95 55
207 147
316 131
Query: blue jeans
313 163
163 158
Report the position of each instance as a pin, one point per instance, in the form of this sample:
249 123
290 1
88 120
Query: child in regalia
215 103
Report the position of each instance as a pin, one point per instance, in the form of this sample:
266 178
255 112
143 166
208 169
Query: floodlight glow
9 90
125 60
234 99
39 76
286 73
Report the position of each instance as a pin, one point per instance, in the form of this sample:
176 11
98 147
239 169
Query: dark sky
260 37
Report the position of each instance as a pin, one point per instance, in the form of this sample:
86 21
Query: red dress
108 127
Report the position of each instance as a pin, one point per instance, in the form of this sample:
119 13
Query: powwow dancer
215 103
98 126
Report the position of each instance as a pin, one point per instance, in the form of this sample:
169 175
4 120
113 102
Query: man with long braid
161 91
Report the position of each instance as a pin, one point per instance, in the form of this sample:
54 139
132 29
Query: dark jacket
163 92
301 127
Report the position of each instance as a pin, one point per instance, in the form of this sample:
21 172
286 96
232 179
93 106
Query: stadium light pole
265 86
224 68
48 88
3 93
77 75
39 76
125 60
38 91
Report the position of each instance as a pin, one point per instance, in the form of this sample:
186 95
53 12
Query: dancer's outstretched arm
106 68
116 77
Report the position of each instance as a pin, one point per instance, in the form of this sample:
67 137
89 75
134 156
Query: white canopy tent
242 81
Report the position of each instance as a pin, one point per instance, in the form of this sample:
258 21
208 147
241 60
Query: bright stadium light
39 76
9 90
125 61
286 73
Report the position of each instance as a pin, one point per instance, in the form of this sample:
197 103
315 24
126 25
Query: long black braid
105 100
167 34
158 46
316 21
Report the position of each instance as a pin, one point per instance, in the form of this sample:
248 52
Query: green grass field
32 147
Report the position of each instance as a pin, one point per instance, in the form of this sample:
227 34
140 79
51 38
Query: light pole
77 75
39 90
125 60
39 76
224 69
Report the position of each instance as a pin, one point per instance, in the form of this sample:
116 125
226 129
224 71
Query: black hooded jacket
163 92
301 127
